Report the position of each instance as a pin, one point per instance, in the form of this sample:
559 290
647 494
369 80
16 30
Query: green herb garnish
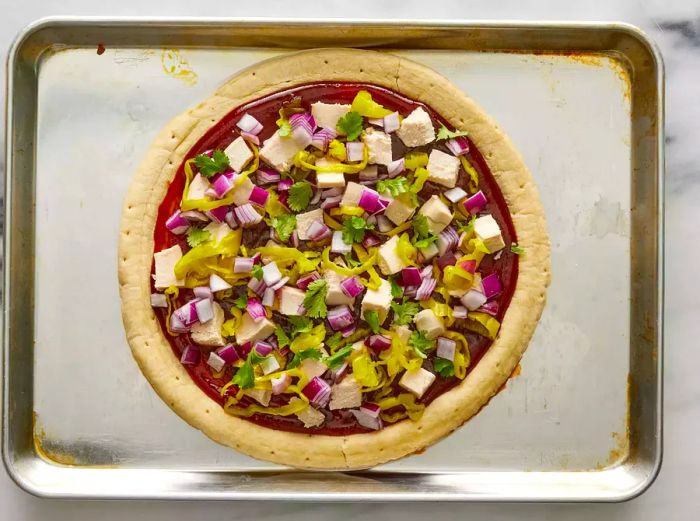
197 236
300 325
420 344
307 354
396 290
241 302
257 271
208 166
282 338
336 360
445 133
285 129
354 229
350 125
518 250
395 186
444 367
315 299
404 312
300 194
284 225
372 318
334 340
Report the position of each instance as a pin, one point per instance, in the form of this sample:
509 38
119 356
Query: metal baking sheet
583 104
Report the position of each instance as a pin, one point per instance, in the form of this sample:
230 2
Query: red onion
490 307
316 198
447 240
231 219
338 245
426 289
448 259
351 286
391 122
259 196
382 205
355 151
256 310
271 273
250 138
205 310
284 185
372 219
216 283
267 176
317 391
257 286
247 216
280 384
323 137
426 272
331 202
459 312
302 129
455 194
243 265
176 325
244 350
268 297
249 124
194 215
340 317
158 300
228 353
221 184
368 416
492 285
277 285
177 224
377 122
318 231
370 240
331 192
282 197
411 277
473 299
187 314
347 331
384 224
368 174
218 215
190 355
369 199
378 342
468 265
304 281
446 348
459 146
262 348
395 167
215 362
410 291
339 373
203 292
475 203
295 239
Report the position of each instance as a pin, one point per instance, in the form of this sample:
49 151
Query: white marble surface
675 25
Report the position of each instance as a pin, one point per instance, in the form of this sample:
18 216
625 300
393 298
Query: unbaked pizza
333 262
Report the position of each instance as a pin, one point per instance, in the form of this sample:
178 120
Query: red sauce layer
266 110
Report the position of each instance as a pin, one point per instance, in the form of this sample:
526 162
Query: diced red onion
351 286
190 355
218 215
301 310
280 384
318 231
250 138
302 129
338 374
447 240
205 310
331 202
203 292
215 362
271 273
259 196
284 185
176 325
262 348
347 331
231 219
277 285
468 265
322 138
216 283
368 174
267 175
282 198
391 122
492 285
257 286
331 192
340 317
194 215
446 348
177 224
459 146
426 289
395 167
209 152
317 391
426 272
455 194
243 265
378 342
187 314
316 198
448 259
475 203
304 281
490 307
411 277
247 216
355 150
370 240
268 297
473 299
377 122
249 124
244 350
372 219
382 205
410 291
228 353
369 199
368 416
222 183
295 239
459 312
158 300
384 224
338 245
255 309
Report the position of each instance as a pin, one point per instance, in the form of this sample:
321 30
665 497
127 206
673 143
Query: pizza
333 262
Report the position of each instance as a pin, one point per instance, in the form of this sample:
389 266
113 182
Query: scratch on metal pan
176 66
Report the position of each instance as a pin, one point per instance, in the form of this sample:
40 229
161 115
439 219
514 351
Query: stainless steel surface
583 103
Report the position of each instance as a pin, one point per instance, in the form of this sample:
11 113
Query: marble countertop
675 25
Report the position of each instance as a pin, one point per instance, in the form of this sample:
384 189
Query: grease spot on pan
176 66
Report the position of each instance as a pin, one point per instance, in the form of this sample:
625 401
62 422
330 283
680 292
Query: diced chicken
335 295
309 416
304 221
417 129
290 300
378 300
443 168
328 114
429 252
312 368
403 333
352 194
278 151
209 334
487 229
417 382
330 180
398 211
217 231
241 191
388 259
429 323
345 394
438 214
369 172
250 330
378 146
215 361
198 187
327 161
270 365
239 155
261 396
165 261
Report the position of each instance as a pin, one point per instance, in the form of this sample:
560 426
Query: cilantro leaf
284 225
257 271
445 133
197 236
395 186
404 313
421 227
315 299
350 125
312 353
420 343
336 359
396 290
444 367
354 229
245 376
282 338
241 302
518 250
372 318
424 243
255 358
335 340
467 227
300 325
300 194
208 166
352 263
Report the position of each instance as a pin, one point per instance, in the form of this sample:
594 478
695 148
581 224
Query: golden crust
152 350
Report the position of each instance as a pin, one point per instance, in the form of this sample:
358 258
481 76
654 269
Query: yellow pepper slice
483 324
473 175
301 161
347 210
365 106
342 270
413 409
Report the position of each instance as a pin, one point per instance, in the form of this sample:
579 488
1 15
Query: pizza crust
446 413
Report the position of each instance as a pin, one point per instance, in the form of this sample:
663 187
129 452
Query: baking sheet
568 410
